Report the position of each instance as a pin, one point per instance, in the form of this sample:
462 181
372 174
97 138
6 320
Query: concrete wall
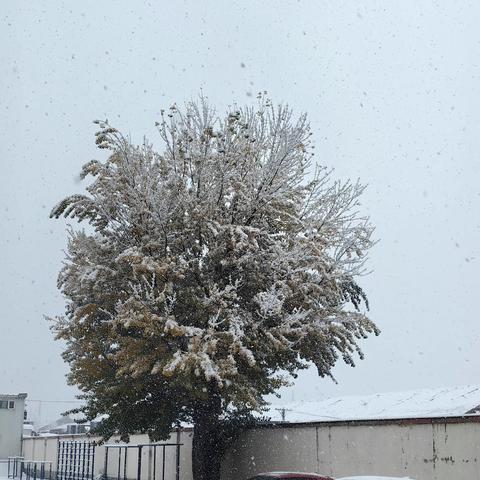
46 449
433 449
11 425
420 450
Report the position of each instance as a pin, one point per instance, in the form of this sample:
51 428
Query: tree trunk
206 451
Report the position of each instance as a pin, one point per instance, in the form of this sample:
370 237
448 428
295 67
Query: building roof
61 422
425 403
19 396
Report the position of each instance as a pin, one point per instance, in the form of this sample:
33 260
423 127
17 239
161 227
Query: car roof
293 474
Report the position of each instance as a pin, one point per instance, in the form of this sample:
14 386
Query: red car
290 476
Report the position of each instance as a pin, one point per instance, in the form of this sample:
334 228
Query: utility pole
283 412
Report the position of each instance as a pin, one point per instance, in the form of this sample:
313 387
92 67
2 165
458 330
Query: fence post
163 463
154 462
83 449
105 468
177 472
125 464
93 458
139 465
75 458
119 463
88 460
58 456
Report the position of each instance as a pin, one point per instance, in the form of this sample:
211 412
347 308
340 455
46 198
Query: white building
29 429
12 411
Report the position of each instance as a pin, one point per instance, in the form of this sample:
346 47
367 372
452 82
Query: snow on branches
221 261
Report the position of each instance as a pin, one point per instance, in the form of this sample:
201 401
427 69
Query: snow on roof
9 396
62 421
436 402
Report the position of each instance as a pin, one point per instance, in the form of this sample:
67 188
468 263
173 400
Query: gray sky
393 94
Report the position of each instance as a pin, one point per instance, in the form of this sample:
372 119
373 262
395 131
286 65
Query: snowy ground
437 402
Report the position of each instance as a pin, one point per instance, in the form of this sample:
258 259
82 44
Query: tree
210 273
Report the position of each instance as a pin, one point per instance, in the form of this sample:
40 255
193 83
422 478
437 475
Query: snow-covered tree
210 274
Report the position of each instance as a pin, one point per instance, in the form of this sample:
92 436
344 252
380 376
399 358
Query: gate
163 461
75 460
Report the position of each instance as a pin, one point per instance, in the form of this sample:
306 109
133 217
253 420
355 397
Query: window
7 404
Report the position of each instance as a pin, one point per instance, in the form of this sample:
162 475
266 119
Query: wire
316 415
53 401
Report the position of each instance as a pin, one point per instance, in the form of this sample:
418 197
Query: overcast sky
393 94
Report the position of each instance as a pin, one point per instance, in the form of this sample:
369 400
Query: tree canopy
214 269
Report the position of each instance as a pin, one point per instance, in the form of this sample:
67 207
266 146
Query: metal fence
14 466
35 470
75 460
158 463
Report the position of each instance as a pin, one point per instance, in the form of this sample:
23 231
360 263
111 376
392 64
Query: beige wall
438 451
11 426
422 452
46 448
